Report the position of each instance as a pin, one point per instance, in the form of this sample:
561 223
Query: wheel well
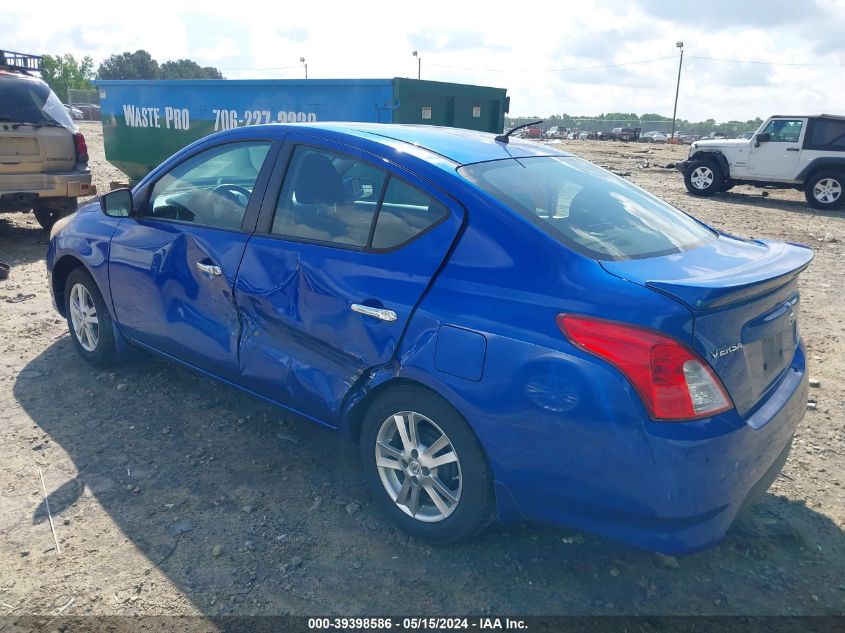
61 270
836 168
716 157
355 418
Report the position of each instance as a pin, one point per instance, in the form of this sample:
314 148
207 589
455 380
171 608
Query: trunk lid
28 150
744 300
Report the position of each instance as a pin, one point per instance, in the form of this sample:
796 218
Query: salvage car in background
43 156
653 137
506 330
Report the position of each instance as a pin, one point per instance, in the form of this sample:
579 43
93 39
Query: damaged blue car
507 331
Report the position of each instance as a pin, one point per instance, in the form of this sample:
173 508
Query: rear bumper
682 166
672 488
73 183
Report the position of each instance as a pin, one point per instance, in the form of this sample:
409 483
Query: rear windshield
28 101
587 208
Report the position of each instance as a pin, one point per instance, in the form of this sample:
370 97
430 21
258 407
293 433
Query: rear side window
826 134
328 198
588 209
405 213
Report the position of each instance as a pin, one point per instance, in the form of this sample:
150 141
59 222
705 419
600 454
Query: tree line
647 121
63 72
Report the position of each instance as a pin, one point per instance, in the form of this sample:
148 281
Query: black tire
50 211
103 352
475 507
704 178
728 185
825 189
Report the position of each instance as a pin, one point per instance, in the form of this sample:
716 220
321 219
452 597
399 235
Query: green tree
137 65
62 72
188 69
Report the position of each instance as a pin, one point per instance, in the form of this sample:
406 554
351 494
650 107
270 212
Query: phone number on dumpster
226 119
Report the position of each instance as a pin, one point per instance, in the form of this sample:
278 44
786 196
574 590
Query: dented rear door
318 315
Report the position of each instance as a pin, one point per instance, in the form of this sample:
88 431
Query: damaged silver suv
43 156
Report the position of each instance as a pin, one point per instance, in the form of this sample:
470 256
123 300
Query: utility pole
677 89
419 63
302 59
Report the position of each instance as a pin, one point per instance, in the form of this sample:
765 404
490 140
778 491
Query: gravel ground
173 494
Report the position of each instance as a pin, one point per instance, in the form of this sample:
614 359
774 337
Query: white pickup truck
796 152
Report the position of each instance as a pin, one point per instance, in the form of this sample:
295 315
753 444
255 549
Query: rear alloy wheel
424 466
824 190
88 319
704 178
418 466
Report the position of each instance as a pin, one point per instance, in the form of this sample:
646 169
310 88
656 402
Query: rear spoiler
785 262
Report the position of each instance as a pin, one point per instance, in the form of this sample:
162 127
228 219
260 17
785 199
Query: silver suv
43 156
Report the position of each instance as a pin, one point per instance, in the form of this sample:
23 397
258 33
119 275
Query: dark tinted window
587 208
405 212
29 101
828 134
328 198
212 188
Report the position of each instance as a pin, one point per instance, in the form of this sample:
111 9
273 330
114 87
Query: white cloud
498 44
220 49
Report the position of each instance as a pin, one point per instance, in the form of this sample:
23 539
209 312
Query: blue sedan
507 331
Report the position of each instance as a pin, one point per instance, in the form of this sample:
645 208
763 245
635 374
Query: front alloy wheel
83 317
88 319
418 466
703 178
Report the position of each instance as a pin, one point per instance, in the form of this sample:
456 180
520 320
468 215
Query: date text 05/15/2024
416 624
175 118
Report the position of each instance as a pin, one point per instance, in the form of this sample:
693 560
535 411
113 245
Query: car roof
808 116
458 146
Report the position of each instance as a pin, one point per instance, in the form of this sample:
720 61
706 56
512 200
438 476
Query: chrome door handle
379 313
210 269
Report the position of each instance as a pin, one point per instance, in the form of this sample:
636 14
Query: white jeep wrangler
795 152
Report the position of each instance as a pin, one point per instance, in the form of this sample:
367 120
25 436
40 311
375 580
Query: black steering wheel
234 193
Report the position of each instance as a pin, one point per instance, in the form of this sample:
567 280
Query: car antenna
503 138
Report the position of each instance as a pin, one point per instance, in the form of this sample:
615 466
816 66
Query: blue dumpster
144 122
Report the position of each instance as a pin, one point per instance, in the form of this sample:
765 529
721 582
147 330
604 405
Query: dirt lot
173 494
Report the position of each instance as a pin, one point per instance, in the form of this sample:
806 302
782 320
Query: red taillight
673 381
81 148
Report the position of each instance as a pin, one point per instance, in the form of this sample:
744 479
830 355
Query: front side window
588 209
784 130
212 188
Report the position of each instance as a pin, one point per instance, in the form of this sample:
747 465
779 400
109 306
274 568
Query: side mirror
117 203
763 137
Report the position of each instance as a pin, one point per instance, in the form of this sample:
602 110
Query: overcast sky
548 55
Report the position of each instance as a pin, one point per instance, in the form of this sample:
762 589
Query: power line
554 70
254 69
763 63
598 67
